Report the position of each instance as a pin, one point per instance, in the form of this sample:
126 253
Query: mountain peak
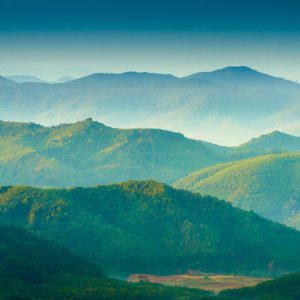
274 140
275 134
238 69
89 122
247 78
130 75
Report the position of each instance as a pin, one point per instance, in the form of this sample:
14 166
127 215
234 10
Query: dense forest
284 288
149 227
34 268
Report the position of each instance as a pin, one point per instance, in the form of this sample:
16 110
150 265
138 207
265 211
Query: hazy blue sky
56 38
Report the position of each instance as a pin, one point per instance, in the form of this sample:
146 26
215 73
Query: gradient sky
57 38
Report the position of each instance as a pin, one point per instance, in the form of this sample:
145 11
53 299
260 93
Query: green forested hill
284 288
26 257
271 143
88 153
148 227
268 185
33 268
274 142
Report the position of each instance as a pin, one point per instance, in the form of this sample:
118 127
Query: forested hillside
88 153
268 185
284 288
33 268
149 227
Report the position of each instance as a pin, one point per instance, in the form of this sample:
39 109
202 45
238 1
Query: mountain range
76 225
88 153
25 78
226 106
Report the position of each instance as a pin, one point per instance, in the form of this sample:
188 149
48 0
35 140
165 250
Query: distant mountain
33 268
271 143
64 79
227 106
274 141
245 77
6 82
87 153
25 78
149 227
268 185
284 288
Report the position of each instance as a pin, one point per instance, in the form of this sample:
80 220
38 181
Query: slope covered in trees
32 259
149 227
88 153
33 268
284 288
268 185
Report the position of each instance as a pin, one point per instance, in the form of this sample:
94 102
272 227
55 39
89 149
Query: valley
149 150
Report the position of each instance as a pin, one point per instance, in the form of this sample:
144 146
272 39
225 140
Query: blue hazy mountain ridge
5 81
245 77
228 106
25 78
64 79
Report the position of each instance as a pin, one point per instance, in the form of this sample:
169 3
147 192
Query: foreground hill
26 257
88 153
33 268
227 106
268 185
149 227
284 288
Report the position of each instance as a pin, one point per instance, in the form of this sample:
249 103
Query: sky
74 38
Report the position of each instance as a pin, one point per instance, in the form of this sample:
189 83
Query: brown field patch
215 283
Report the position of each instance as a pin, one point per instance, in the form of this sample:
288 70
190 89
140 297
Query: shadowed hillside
283 288
33 268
